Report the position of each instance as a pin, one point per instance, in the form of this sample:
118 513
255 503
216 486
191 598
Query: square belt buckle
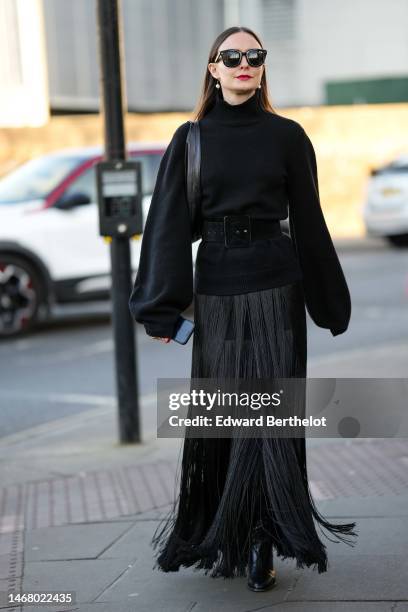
237 230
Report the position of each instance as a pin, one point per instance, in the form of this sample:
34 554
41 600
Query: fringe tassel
228 484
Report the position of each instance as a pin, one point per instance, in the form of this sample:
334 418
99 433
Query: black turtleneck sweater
252 162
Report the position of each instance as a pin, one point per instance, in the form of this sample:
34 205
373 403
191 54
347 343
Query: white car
385 210
50 247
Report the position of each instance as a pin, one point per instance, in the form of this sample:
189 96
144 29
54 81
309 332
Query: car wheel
398 240
20 295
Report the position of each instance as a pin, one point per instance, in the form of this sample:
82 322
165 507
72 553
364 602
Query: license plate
388 192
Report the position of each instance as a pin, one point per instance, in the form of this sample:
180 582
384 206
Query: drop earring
217 85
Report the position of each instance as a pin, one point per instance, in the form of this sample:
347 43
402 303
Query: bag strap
193 164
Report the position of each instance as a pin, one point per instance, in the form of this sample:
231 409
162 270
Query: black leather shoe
261 575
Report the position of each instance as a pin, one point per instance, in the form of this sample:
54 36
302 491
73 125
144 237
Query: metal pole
109 33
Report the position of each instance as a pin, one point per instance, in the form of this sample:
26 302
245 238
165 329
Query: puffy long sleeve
327 294
163 287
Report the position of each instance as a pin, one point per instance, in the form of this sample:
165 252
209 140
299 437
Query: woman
242 498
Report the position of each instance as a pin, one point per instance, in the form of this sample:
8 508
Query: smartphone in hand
183 330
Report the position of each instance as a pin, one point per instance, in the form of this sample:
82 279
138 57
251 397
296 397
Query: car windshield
36 178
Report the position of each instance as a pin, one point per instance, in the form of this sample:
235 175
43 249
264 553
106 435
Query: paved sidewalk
77 512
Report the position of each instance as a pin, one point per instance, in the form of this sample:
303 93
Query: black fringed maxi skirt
228 484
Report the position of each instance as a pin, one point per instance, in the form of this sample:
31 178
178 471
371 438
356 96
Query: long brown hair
209 91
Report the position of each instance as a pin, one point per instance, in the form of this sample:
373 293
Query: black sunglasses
233 57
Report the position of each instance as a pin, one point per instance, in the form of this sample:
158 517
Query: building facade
319 52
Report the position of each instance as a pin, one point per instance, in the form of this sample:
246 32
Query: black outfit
250 322
253 162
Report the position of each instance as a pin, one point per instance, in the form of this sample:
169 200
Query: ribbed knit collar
245 112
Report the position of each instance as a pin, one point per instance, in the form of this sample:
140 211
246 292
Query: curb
67 422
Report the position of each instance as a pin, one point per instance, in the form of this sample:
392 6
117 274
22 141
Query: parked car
50 247
385 210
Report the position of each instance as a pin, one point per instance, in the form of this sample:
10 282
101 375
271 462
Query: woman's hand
165 340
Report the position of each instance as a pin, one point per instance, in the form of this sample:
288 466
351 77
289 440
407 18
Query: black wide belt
239 230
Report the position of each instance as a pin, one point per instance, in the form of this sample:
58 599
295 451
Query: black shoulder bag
192 166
